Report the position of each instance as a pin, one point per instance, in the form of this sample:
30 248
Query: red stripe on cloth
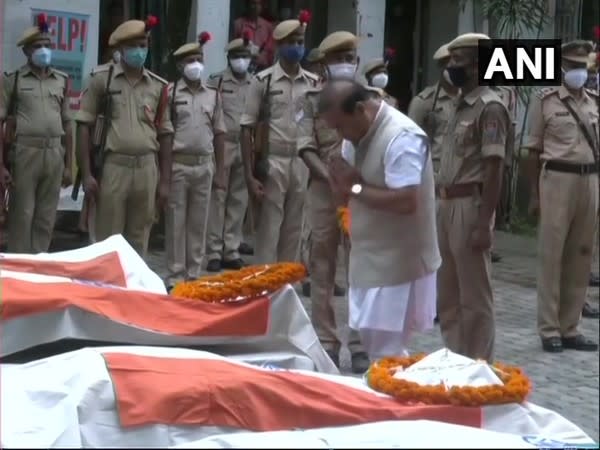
105 269
204 392
161 313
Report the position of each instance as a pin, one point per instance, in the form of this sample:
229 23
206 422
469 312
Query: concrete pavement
566 383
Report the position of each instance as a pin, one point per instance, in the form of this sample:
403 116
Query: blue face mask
135 57
41 57
292 53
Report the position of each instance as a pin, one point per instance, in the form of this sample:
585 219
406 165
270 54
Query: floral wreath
244 284
343 215
515 388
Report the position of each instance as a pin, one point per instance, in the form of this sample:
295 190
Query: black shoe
590 312
594 280
360 362
306 289
214 265
338 291
335 357
436 319
235 264
245 249
579 342
496 257
552 344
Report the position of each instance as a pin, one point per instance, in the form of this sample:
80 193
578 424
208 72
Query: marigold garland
343 214
246 283
515 389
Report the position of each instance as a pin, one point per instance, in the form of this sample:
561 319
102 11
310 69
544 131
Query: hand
256 188
67 178
343 174
90 187
534 205
219 182
5 178
162 195
481 238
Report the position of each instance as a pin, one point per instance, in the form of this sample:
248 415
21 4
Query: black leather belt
580 169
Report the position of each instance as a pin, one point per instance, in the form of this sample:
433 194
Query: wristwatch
356 189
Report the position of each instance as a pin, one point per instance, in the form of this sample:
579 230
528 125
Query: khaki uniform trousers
186 217
227 209
324 241
279 227
127 199
38 167
465 304
568 217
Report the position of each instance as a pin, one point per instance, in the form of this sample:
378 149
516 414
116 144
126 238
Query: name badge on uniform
561 113
227 91
276 92
181 102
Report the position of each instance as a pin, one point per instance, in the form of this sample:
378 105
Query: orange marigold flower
380 377
244 284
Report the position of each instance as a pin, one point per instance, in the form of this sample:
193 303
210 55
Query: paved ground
566 383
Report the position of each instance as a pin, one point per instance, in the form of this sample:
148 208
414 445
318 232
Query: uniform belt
458 190
191 159
35 141
580 169
124 160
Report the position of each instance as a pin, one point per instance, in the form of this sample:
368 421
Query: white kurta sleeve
348 152
404 160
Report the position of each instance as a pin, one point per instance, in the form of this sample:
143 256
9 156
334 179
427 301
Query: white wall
370 28
17 16
213 16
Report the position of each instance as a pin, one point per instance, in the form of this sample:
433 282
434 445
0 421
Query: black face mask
458 76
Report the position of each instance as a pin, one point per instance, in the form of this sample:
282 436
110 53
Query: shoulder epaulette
99 69
62 74
312 76
427 92
157 78
489 95
260 76
313 91
546 92
592 92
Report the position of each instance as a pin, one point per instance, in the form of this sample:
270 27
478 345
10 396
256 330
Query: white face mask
342 70
380 80
193 71
240 65
447 77
576 78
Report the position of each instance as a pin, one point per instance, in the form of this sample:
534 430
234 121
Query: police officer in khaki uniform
313 62
139 129
317 144
563 140
198 155
39 162
469 184
227 207
432 107
376 73
279 227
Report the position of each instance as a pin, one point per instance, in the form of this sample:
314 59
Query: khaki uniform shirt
474 133
233 98
42 107
433 121
286 96
313 132
134 107
199 117
552 129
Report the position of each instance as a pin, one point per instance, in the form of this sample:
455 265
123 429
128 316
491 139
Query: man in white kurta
386 174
